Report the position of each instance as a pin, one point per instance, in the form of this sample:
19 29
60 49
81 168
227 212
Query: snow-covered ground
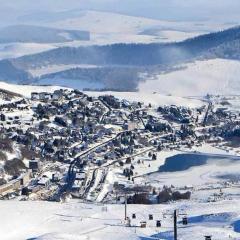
13 50
85 221
107 28
217 76
215 166
74 220
26 90
155 99
71 83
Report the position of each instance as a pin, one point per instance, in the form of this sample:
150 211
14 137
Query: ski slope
79 221
217 76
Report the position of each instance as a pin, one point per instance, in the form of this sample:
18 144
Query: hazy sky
161 9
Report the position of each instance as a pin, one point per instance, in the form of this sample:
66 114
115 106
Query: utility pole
125 206
175 224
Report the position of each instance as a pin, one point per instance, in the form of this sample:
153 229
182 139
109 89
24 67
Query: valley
119 119
93 151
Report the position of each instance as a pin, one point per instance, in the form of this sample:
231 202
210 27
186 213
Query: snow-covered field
71 83
25 90
217 76
13 50
74 220
219 163
153 98
107 28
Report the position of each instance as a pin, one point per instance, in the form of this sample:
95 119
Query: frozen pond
182 162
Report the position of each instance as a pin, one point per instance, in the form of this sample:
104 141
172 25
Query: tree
154 157
128 160
121 163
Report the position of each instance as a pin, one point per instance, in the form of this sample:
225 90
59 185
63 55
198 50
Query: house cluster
62 135
45 96
55 128
178 114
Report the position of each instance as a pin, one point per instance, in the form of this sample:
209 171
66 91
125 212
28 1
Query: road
71 172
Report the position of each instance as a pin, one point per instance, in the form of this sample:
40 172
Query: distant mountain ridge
134 57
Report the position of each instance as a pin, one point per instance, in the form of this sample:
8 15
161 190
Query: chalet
126 103
130 126
2 117
55 177
80 176
34 165
35 96
57 94
44 96
44 181
99 162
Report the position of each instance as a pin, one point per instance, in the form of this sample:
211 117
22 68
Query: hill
14 50
110 28
37 34
129 62
139 54
215 76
